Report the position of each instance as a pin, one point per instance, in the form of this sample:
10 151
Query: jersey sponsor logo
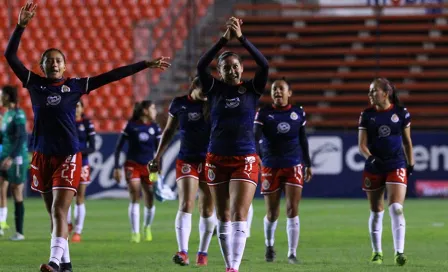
242 90
395 118
294 116
35 181
151 131
367 182
283 127
143 136
211 174
81 127
53 99
271 116
383 131
266 184
232 103
326 154
194 116
65 89
186 168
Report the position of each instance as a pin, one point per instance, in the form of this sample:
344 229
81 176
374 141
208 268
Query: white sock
69 214
269 231
3 214
239 237
206 227
398 226
250 216
183 230
134 216
149 215
80 215
66 255
58 245
376 230
293 230
224 239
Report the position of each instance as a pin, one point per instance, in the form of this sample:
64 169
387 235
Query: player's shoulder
369 110
298 109
400 109
266 108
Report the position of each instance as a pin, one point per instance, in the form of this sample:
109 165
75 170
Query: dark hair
44 55
285 80
138 109
11 91
387 86
227 54
195 83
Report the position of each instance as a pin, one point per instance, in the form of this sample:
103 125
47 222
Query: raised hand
160 63
234 24
27 12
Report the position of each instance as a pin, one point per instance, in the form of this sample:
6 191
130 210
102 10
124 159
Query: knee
206 211
395 209
58 213
186 205
223 216
291 211
239 215
80 200
272 215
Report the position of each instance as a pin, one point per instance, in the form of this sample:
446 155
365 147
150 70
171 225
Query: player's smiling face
230 70
53 64
377 96
280 93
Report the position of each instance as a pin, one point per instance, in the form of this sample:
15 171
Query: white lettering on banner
326 154
351 160
436 153
421 157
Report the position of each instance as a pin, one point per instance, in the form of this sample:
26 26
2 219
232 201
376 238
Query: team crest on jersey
65 89
283 127
82 127
384 131
241 90
232 102
367 182
211 175
294 116
143 136
186 168
194 116
266 184
35 181
200 168
395 118
53 99
151 131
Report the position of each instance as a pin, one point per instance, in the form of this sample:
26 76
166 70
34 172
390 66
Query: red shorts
274 178
55 172
221 169
372 182
85 174
136 172
189 170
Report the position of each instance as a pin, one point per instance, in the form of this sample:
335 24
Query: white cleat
17 237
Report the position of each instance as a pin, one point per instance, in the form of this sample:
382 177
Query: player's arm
96 82
261 75
258 132
407 144
26 14
362 143
165 140
303 140
90 129
205 77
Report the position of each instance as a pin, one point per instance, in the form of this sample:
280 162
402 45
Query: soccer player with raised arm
142 134
232 165
86 135
187 113
285 164
385 141
56 165
13 160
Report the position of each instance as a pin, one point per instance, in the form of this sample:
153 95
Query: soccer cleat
293 259
148 234
50 267
17 237
270 254
400 259
4 226
201 259
181 258
76 238
377 258
66 267
135 238
70 228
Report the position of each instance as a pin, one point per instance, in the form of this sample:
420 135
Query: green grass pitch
333 237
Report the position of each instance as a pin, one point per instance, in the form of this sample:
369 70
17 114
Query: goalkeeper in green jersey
13 160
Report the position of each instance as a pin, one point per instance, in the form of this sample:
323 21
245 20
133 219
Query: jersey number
68 170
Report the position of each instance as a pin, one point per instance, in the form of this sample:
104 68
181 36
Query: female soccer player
13 160
285 158
231 162
385 141
86 135
55 166
187 113
142 135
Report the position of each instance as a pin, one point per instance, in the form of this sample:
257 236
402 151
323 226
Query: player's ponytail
393 96
195 83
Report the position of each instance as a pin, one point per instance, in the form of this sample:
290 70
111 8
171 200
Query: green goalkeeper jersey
13 140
